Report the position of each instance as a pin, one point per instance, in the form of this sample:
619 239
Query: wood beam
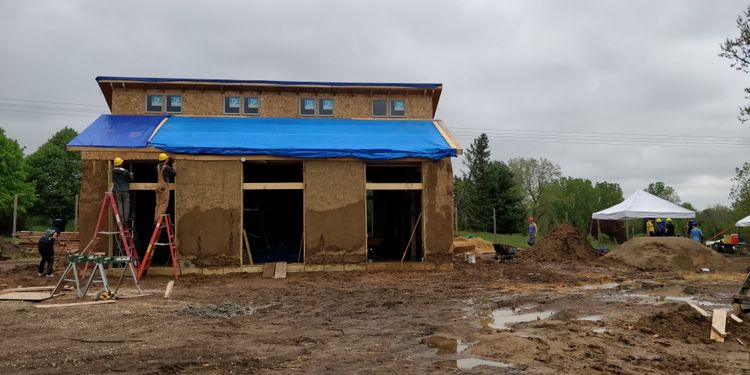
393 186
273 186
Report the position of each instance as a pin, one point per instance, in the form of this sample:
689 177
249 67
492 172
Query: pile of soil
8 250
474 245
667 253
564 243
681 322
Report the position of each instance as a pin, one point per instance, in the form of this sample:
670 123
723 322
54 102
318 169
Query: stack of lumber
28 240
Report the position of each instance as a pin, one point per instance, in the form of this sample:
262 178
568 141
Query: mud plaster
209 211
335 223
437 194
93 186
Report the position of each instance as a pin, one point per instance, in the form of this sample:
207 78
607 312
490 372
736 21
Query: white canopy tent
640 205
744 222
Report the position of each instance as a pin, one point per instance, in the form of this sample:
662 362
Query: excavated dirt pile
681 322
8 250
564 243
474 245
667 253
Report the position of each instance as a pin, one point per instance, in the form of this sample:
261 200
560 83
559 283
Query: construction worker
533 229
661 228
690 226
696 234
670 228
121 178
46 248
649 228
164 174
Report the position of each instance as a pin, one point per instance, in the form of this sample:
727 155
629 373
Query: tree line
46 181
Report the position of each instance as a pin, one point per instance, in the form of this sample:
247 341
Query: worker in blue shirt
696 234
661 228
532 231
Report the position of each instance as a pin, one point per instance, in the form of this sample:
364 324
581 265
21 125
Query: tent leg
598 231
627 232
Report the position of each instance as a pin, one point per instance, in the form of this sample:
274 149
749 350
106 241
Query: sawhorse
98 261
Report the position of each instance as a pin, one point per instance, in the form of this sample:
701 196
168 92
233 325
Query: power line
49 113
577 132
50 102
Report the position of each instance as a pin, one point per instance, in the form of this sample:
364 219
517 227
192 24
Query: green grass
519 240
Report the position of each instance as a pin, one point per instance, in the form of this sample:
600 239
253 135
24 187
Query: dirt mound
474 245
667 253
564 243
9 250
681 322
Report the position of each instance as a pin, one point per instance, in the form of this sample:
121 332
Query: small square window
379 108
154 103
252 105
325 107
174 103
307 106
232 105
398 108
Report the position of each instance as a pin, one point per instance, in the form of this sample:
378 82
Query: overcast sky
578 82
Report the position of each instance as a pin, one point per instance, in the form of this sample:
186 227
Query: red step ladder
174 253
125 233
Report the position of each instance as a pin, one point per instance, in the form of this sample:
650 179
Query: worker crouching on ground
121 178
533 229
47 248
165 171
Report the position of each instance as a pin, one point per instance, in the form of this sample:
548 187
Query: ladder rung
162 243
105 232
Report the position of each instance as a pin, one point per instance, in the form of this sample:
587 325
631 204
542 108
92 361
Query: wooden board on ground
168 290
718 325
736 318
280 271
74 304
269 270
704 313
25 296
29 289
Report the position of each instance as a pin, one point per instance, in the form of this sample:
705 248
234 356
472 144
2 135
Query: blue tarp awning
118 131
303 137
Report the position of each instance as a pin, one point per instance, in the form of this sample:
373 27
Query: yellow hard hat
669 219
118 162
163 157
658 220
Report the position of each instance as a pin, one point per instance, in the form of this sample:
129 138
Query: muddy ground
581 319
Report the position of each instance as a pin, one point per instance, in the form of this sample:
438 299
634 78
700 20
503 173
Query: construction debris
697 308
666 253
718 325
168 291
280 270
26 296
74 304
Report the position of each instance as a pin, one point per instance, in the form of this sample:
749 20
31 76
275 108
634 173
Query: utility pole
15 213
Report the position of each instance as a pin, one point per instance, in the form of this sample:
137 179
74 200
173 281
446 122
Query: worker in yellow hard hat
165 172
670 228
121 178
661 228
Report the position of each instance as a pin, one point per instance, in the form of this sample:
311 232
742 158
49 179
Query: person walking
121 178
670 228
661 229
696 234
690 226
164 175
649 227
46 248
533 229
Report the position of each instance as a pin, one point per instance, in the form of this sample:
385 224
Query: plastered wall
335 222
273 104
437 182
208 206
94 175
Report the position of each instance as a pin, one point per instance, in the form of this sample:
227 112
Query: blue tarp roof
266 82
121 131
303 137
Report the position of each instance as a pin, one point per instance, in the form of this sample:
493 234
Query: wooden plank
139 186
704 313
273 185
448 136
74 304
168 291
26 296
127 296
736 318
393 186
280 270
247 246
269 269
718 325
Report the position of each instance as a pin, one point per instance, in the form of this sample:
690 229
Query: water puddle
592 318
505 318
470 363
600 286
599 330
445 345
